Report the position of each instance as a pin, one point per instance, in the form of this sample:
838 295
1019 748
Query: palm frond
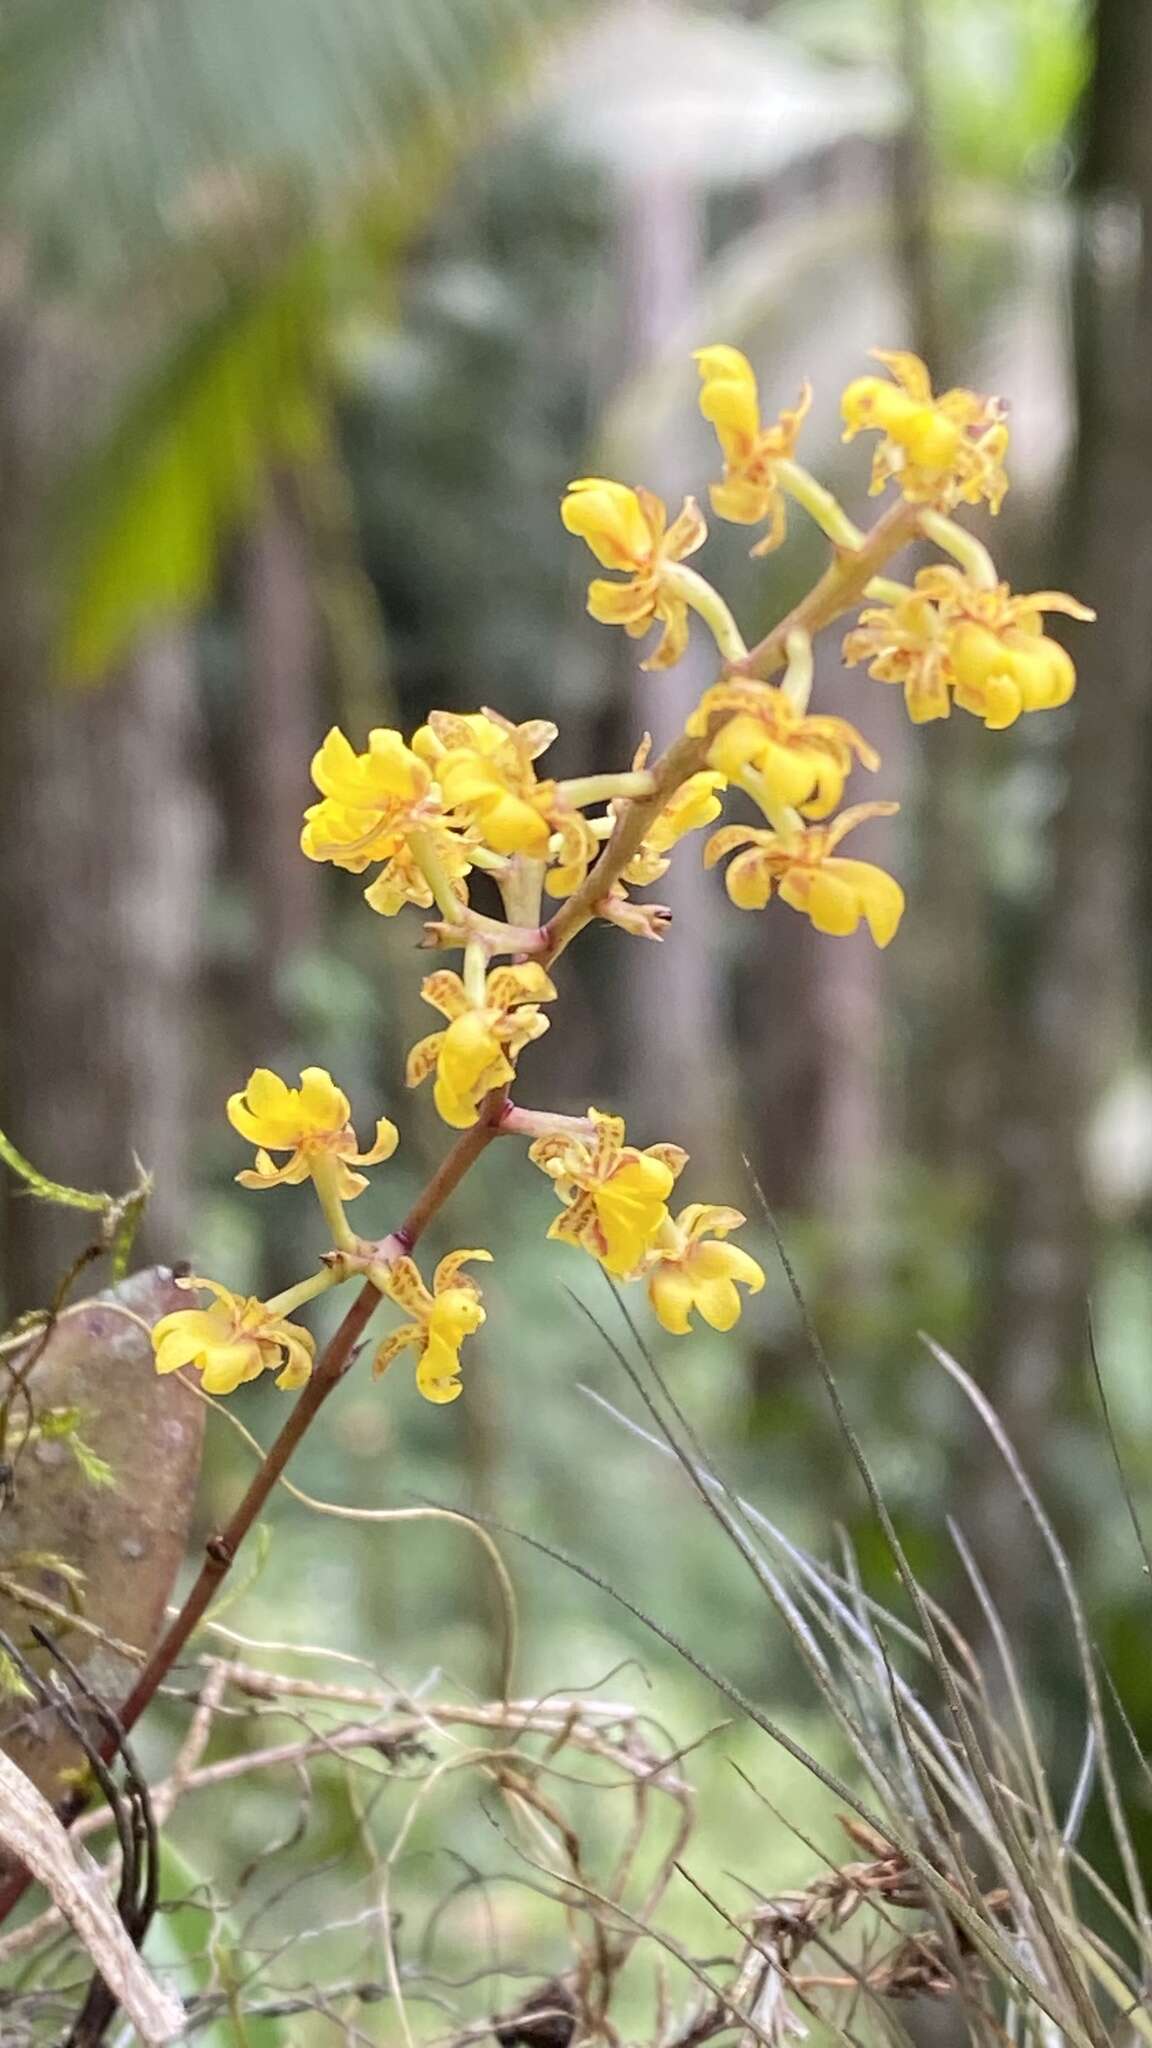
146 513
125 126
200 160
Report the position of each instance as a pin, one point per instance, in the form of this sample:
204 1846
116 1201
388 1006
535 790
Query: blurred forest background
309 310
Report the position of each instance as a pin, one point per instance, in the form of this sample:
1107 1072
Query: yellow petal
323 1106
749 880
406 1288
740 501
718 1302
179 1338
438 1371
449 1266
297 1367
620 604
526 983
630 1208
698 1218
400 1339
687 532
609 516
470 1052
446 993
671 1295
263 1101
383 1146
459 1112
670 647
264 1174
228 1366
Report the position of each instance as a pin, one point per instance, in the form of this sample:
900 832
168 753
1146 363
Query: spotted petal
400 1339
407 1289
446 993
525 983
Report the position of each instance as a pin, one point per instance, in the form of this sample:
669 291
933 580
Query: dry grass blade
982 1405
31 1833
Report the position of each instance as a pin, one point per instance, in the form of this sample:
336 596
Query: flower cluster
942 451
463 798
948 640
477 1051
629 530
313 1124
615 1206
235 1340
755 455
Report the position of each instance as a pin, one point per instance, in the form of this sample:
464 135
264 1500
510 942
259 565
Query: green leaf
1004 75
97 1471
124 129
12 1684
148 511
179 146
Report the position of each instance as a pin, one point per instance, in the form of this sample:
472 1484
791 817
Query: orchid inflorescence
464 797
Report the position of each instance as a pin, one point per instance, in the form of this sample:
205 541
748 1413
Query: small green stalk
887 590
448 899
475 973
521 888
293 1298
698 593
602 789
787 824
796 682
963 547
819 504
544 1123
324 1170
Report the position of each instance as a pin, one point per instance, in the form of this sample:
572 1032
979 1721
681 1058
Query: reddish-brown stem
841 586
221 1548
220 1551
452 1169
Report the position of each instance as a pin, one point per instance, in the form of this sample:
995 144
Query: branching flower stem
338 1355
842 584
837 589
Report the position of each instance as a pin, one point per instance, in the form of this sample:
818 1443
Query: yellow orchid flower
752 451
949 639
692 806
383 805
571 852
313 1124
235 1340
615 1196
777 752
402 879
629 530
369 800
693 1270
478 1050
806 872
942 451
906 642
441 1319
483 767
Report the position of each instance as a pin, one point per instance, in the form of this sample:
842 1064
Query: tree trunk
283 719
102 868
1074 1007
